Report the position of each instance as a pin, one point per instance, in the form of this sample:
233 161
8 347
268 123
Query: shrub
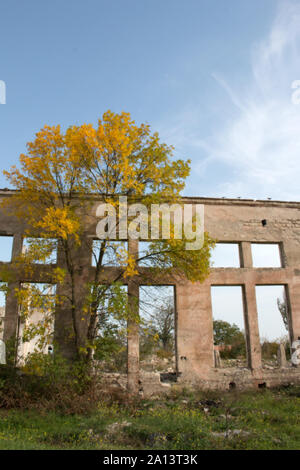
51 383
269 349
164 354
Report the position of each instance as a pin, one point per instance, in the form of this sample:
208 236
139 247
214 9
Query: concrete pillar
64 337
217 358
281 356
133 347
64 340
17 245
251 327
194 330
246 255
63 329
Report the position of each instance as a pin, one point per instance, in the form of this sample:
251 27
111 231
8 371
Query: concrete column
17 245
194 330
64 340
64 337
217 358
251 327
281 356
133 347
246 255
63 328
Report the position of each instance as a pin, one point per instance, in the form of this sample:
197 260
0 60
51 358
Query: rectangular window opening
6 244
273 322
110 351
40 250
228 326
226 255
144 257
114 253
36 319
266 255
158 331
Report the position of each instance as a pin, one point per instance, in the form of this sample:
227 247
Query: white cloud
263 142
258 139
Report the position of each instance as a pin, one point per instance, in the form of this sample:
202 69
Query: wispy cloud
258 139
234 98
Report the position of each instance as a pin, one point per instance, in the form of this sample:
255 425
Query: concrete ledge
218 379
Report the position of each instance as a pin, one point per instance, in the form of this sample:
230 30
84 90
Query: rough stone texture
133 329
238 221
217 358
149 383
281 356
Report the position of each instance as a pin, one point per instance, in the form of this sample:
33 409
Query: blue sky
213 77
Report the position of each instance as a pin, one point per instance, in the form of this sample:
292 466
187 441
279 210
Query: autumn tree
58 183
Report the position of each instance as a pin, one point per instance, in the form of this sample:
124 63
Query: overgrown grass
268 419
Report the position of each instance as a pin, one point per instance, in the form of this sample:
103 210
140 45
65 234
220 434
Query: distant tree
224 332
282 307
227 334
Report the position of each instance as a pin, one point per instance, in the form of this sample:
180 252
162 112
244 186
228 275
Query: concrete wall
238 221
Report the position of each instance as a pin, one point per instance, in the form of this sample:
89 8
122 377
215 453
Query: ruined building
243 222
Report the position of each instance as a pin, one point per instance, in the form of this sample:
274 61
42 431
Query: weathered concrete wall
240 221
237 221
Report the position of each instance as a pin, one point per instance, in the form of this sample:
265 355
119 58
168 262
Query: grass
268 419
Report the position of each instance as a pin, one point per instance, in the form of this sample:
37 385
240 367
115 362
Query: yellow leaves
59 274
131 268
60 221
63 171
47 141
116 157
156 337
